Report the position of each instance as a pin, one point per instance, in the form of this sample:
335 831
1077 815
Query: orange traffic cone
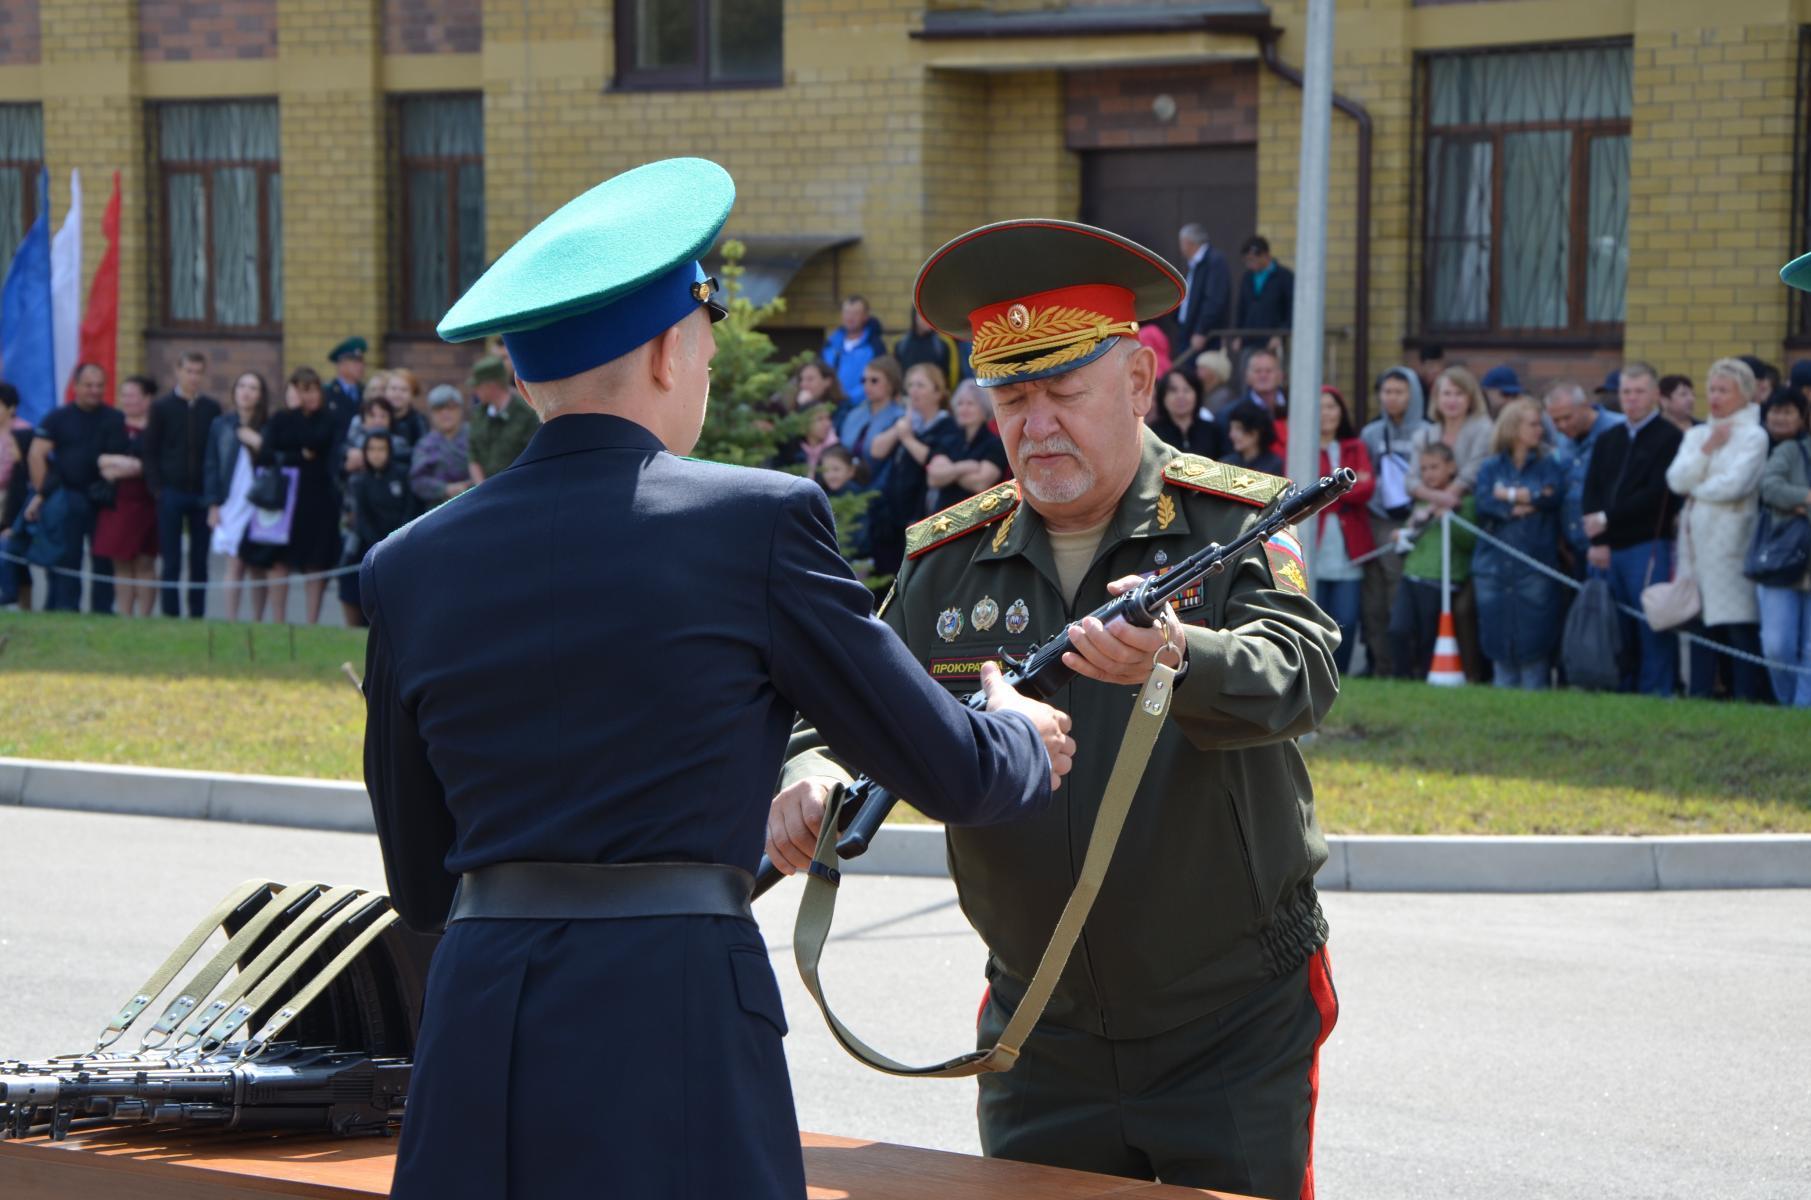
1446 669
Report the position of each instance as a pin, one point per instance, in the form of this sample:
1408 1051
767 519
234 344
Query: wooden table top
246 1166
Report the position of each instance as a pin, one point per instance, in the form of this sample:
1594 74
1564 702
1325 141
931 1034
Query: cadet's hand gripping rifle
1041 671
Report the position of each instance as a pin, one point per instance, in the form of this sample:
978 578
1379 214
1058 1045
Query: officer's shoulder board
965 516
1223 479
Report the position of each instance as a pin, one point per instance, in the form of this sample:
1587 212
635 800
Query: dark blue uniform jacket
597 656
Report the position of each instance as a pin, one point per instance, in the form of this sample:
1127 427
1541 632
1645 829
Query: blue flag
27 347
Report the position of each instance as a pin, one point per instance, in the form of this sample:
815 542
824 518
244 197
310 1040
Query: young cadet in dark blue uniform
580 679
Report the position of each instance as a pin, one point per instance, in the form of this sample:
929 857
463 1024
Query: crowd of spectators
295 486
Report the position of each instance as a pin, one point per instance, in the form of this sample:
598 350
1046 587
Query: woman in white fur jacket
1718 468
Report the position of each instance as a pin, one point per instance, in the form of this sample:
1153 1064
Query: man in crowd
1629 514
345 392
1181 1040
606 846
1264 392
503 423
854 344
1266 292
64 465
176 450
1207 302
1501 385
1579 423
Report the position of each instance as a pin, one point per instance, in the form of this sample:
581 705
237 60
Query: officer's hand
1121 652
793 822
1052 723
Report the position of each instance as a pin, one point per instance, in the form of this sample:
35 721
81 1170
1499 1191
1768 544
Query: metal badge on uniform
1018 618
949 624
1161 558
985 613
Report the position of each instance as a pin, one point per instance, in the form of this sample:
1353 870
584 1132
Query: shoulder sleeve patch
965 516
1284 554
1223 479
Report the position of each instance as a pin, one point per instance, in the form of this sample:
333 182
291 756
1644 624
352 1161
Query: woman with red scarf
1342 532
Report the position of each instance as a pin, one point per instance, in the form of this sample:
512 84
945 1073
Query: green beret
612 269
352 345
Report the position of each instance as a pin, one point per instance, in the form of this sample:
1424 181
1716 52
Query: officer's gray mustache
1055 445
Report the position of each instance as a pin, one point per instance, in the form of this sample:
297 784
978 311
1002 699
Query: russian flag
27 343
66 289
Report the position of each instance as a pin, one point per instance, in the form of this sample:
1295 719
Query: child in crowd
1415 613
380 497
839 476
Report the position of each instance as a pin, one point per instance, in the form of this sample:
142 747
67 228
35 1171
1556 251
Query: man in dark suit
1207 303
1266 291
580 680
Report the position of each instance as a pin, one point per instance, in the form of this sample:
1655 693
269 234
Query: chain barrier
1626 610
121 581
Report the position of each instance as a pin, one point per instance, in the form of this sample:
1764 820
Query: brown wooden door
1147 195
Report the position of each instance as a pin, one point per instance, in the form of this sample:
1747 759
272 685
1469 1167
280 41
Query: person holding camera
66 475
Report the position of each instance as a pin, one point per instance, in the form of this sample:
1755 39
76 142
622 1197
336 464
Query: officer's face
1074 439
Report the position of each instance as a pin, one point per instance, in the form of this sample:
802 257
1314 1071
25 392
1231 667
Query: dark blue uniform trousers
635 1058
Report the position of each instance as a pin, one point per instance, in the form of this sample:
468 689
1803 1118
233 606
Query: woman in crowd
374 412
1786 611
301 436
1251 438
1784 417
441 466
408 419
1678 401
1214 371
15 484
1343 531
1461 420
1389 440
906 448
814 383
1718 468
973 460
1518 497
883 403
234 440
1180 419
126 531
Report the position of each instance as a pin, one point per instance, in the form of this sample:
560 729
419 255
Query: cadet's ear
667 350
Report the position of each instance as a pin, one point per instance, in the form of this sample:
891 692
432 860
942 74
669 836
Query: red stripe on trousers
1320 986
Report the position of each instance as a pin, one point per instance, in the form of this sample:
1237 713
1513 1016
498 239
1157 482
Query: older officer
581 677
1182 1040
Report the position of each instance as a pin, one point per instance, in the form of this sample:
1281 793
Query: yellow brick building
1551 184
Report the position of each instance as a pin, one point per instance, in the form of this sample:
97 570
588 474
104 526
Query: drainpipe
1361 286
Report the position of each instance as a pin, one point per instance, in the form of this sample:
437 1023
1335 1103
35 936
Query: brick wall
1714 113
433 26
18 32
198 30
228 358
1215 104
335 240
432 360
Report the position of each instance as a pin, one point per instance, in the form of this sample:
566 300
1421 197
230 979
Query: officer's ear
666 357
1140 376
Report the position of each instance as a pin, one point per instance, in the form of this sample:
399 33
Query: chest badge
949 624
1161 558
984 614
1018 618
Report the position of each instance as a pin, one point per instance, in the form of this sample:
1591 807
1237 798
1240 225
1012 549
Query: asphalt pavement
1615 1045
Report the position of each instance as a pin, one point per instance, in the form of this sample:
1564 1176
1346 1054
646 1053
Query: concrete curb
1357 863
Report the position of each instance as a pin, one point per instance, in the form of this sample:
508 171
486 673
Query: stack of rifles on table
314 1029
313 1032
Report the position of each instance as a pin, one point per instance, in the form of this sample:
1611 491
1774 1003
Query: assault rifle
1041 672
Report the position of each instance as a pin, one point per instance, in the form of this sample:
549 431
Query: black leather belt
602 891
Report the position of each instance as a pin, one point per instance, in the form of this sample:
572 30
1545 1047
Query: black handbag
270 490
1781 549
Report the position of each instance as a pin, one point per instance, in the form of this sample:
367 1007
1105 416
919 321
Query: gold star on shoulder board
942 525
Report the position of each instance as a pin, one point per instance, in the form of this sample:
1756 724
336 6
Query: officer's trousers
1225 1101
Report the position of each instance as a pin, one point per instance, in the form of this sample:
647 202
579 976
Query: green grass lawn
1392 758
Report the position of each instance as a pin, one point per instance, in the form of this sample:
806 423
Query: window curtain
21 152
224 141
443 182
1534 177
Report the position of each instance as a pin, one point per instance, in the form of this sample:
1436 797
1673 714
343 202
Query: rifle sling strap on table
818 905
